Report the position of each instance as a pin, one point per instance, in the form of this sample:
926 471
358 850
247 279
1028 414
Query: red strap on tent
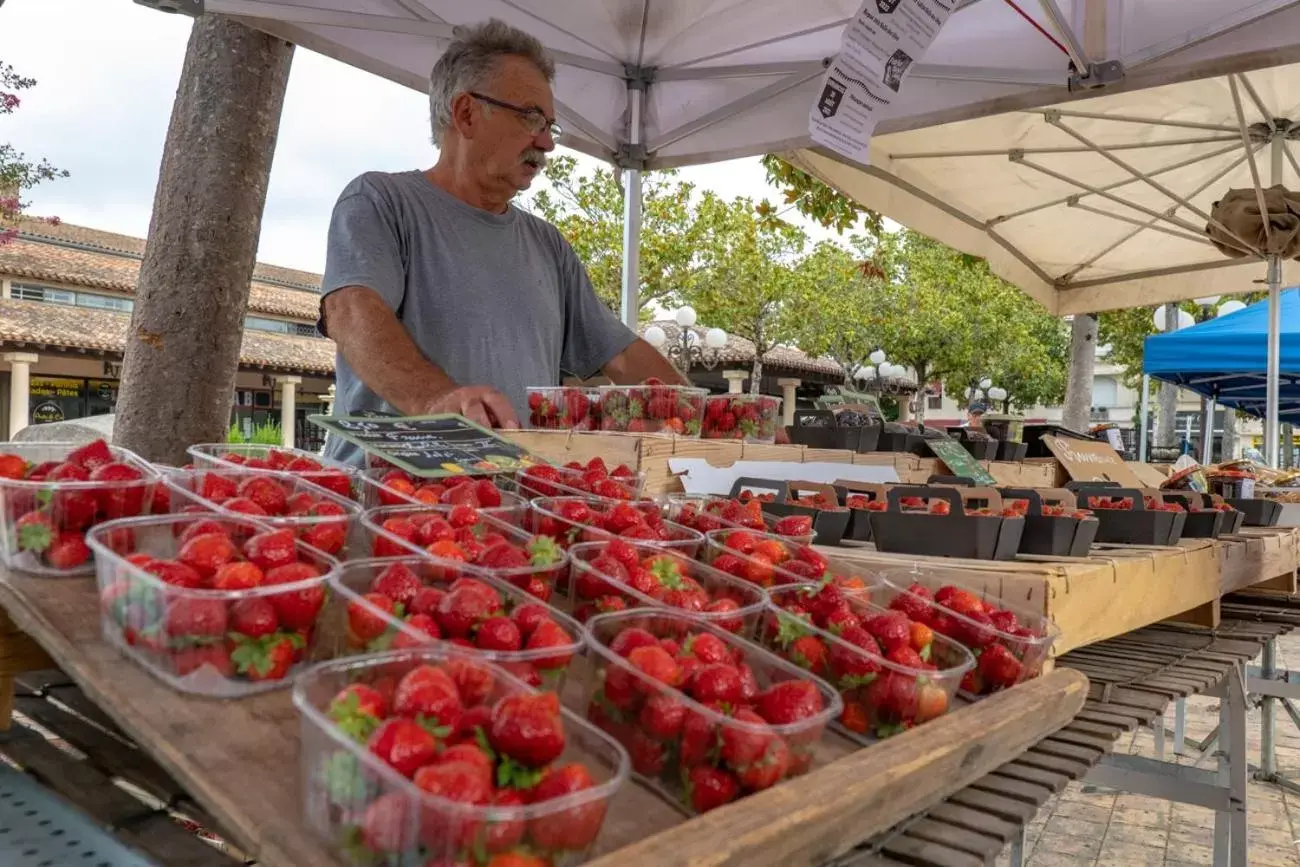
1038 27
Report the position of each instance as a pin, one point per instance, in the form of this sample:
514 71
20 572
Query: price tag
430 446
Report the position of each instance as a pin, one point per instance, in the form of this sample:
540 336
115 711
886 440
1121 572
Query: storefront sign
432 445
46 412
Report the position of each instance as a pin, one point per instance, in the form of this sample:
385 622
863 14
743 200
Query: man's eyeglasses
533 118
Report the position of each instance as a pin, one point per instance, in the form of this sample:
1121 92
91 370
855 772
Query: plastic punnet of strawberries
768 560
748 417
892 673
217 605
563 408
319 517
393 603
570 520
706 514
403 488
50 496
464 534
708 717
331 477
1008 646
575 479
618 574
432 757
652 407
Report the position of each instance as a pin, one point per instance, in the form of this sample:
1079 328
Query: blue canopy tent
1226 359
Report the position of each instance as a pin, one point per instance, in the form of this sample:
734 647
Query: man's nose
544 140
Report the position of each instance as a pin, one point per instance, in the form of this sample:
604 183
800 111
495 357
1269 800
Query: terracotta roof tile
740 351
40 253
33 323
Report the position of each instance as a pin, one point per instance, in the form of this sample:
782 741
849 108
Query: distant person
975 414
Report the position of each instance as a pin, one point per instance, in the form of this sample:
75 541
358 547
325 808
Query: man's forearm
639 362
380 350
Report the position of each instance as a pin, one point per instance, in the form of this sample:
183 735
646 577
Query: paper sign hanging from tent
879 47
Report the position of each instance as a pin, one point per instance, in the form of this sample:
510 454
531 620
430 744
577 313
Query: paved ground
1087 825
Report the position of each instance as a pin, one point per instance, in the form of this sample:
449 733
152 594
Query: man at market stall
975 414
441 295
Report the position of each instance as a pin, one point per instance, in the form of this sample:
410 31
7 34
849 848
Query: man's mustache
535 156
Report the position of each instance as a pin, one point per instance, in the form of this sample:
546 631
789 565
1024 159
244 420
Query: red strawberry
630 639
892 696
794 525
404 744
91 455
707 648
265 492
768 769
68 551
265 659
891 630
474 683
357 710
426 601
574 828
662 717
550 634
742 745
188 660
999 668
428 694
699 742
253 617
465 606
208 552
237 575
808 652
364 625
498 633
717 682
297 609
398 583
848 667
195 617
529 616
789 701
657 664
709 788
527 728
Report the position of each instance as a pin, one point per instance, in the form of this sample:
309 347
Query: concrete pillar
329 399
288 403
788 387
6 288
20 388
735 380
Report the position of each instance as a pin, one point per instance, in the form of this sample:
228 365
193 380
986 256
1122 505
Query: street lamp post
685 351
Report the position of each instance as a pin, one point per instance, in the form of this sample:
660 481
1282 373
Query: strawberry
498 633
268 658
794 525
768 769
426 601
649 756
121 496
789 701
174 573
529 616
188 660
357 710
891 630
364 625
808 652
253 617
404 744
207 552
12 467
931 702
92 455
655 663
906 656
849 667
662 716
237 575
892 696
195 617
245 506
573 828
398 583
335 481
35 531
547 635
465 606
527 729
266 492
428 694
742 745
215 488
474 683
717 682
709 788
67 551
200 527
630 639
999 668
297 609
707 647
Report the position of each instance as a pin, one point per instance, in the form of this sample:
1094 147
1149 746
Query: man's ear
463 117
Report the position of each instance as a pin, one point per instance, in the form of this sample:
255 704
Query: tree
588 211
17 172
747 275
835 284
814 199
182 348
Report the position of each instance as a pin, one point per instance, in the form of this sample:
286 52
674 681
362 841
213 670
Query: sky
107 72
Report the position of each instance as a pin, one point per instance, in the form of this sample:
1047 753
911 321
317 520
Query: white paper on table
877 51
701 477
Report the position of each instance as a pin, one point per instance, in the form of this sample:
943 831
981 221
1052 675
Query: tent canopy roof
731 78
1226 358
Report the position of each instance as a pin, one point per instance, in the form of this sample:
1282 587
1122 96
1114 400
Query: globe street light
1231 306
686 350
877 358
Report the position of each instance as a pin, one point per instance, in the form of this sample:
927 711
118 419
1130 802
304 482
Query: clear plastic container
564 408
536 565
340 479
43 523
1010 643
317 516
158 604
570 520
753 418
693 748
372 814
358 617
705 514
672 581
881 697
552 481
770 561
397 487
648 409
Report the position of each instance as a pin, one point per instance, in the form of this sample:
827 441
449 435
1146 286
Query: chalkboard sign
429 445
960 462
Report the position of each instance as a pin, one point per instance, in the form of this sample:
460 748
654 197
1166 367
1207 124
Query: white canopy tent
659 83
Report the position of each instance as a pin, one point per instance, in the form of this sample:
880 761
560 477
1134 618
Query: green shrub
268 434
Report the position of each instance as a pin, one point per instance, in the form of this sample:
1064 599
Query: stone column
288 403
20 388
788 387
329 399
735 380
6 288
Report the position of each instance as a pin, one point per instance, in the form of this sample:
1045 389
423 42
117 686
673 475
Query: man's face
510 150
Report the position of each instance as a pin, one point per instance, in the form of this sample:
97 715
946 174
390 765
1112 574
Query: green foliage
265 434
17 172
814 199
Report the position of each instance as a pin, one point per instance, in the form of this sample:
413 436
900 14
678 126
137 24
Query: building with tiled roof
66 294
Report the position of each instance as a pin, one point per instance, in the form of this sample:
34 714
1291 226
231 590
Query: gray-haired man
441 296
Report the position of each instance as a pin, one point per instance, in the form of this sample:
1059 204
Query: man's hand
481 404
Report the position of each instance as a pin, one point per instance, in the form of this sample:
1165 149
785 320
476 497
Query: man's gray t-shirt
492 299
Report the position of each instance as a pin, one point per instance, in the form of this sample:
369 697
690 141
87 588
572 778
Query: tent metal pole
1207 433
631 296
1273 373
1144 417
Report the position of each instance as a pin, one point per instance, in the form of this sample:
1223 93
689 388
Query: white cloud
107 73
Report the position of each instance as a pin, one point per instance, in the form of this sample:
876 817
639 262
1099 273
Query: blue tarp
1226 358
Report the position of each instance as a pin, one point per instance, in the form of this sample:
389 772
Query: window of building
105 302
302 330
1105 391
48 295
257 323
934 401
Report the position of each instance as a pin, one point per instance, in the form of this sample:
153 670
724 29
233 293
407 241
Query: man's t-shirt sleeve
593 335
364 246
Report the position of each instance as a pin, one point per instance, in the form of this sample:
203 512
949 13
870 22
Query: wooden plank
1096 729
913 851
1066 750
1087 740
988 804
826 813
976 820
1053 764
1207 615
1027 773
954 837
999 783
